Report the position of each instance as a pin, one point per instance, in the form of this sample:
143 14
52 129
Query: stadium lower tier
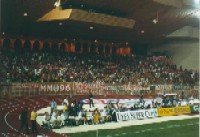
11 108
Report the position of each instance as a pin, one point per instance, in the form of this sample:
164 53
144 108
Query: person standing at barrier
79 106
33 121
53 106
66 110
66 101
23 120
91 98
96 116
182 95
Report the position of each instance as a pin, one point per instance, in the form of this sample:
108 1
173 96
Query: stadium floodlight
57 3
25 14
155 21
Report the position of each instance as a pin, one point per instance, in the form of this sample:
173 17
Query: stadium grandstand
99 68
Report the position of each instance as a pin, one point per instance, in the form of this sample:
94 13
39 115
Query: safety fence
99 88
155 112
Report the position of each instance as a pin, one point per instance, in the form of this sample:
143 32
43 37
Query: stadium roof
135 21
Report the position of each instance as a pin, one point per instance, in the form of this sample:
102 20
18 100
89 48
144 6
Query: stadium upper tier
71 67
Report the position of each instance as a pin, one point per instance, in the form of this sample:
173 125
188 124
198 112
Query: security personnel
24 120
33 121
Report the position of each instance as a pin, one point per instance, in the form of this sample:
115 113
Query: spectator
96 116
64 117
45 120
33 121
66 110
54 115
136 70
79 106
182 95
66 101
23 120
91 98
53 106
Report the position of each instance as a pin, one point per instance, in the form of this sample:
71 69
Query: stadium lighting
155 21
142 31
57 3
25 14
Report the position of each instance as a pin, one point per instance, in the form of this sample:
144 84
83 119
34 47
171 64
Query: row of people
60 118
139 70
70 114
23 117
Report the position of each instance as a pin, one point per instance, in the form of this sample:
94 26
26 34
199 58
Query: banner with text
163 87
195 108
135 115
97 88
78 88
173 111
116 101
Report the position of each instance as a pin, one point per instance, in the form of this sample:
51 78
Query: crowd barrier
195 108
155 112
99 88
174 111
136 115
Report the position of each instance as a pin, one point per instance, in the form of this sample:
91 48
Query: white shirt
66 101
44 119
104 113
54 116
79 114
63 117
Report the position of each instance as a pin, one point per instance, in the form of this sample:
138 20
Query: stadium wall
185 53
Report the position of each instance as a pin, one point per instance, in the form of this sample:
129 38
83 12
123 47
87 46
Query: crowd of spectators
72 67
72 113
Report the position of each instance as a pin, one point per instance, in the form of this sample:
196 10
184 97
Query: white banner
135 115
163 87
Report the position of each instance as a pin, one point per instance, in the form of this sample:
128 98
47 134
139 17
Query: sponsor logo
138 114
173 111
